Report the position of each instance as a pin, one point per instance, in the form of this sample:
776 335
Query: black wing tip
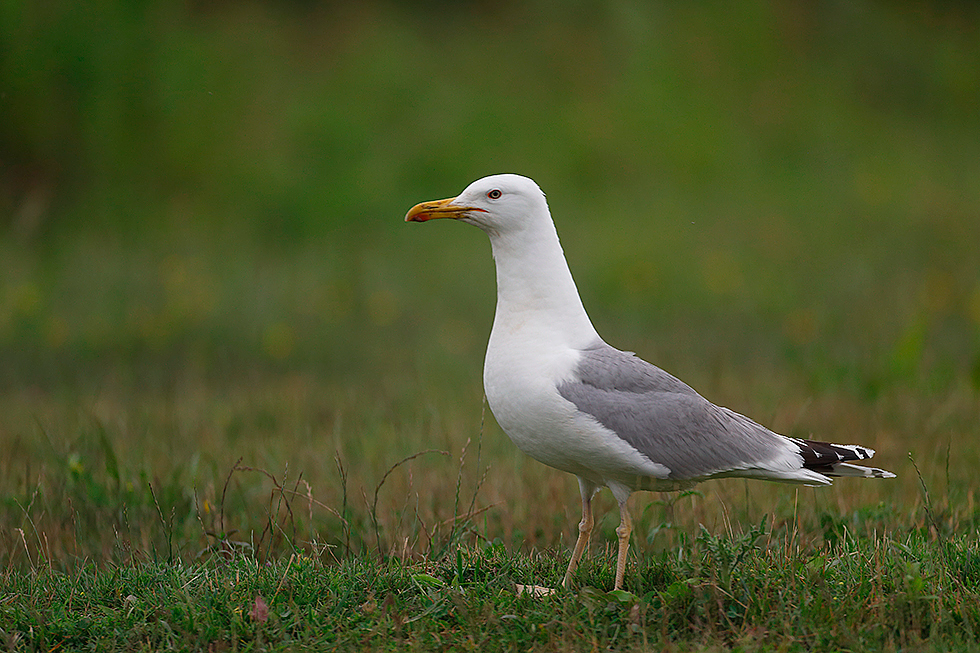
832 459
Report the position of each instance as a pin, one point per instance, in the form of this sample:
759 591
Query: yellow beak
437 209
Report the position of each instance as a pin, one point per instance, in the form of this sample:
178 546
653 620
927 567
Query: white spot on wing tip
863 453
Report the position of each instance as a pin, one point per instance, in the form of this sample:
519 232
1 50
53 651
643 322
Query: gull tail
833 459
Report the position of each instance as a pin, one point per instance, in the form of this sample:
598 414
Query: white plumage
571 401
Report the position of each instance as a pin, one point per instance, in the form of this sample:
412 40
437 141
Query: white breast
521 376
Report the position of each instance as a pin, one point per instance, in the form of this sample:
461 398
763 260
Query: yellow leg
624 530
584 532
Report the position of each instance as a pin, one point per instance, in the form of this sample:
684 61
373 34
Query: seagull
575 403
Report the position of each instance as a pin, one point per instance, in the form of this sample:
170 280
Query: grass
230 371
757 590
350 552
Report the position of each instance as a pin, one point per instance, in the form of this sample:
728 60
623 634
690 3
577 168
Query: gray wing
665 419
606 367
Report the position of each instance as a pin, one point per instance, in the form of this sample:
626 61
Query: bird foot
536 591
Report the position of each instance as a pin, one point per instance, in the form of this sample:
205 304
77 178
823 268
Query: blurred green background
214 183
761 197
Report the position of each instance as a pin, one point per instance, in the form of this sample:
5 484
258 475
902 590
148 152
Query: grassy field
748 592
240 399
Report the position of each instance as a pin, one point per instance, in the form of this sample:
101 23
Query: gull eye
494 194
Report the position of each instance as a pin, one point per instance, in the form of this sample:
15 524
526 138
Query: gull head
499 204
